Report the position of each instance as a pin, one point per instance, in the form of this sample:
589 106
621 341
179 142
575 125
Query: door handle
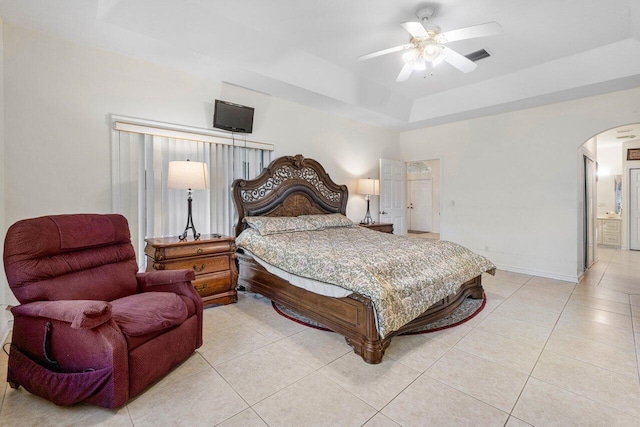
383 213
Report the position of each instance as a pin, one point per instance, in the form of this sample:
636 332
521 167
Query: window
141 152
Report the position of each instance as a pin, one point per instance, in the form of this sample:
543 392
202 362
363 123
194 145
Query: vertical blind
141 157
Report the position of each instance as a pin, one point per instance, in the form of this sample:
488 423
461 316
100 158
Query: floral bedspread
402 276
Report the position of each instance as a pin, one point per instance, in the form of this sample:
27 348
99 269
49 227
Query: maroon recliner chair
89 328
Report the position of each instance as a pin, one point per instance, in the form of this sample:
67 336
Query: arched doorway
610 214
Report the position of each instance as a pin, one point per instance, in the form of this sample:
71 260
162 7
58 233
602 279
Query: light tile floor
543 352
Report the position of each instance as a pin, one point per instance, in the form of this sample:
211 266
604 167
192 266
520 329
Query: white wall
610 159
435 168
58 95
347 149
4 289
609 165
606 194
513 179
627 165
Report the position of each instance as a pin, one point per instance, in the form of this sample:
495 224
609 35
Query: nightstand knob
198 270
200 289
200 250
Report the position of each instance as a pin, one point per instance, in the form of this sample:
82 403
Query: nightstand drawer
211 284
200 265
610 226
611 239
212 259
190 249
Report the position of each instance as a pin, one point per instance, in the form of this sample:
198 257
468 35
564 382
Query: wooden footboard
352 316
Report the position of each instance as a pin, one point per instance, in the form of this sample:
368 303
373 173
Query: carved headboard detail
289 186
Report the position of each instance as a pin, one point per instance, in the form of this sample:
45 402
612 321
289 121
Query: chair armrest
82 314
169 277
178 282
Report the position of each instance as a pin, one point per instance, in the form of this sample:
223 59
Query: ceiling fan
427 44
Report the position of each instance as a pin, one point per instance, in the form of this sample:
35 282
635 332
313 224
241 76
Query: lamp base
190 226
367 218
183 236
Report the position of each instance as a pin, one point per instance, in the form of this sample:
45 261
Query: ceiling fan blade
437 61
415 29
385 52
405 72
459 61
480 30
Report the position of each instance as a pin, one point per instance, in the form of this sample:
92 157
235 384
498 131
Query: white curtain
154 210
228 163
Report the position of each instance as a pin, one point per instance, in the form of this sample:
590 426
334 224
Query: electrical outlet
486 248
453 203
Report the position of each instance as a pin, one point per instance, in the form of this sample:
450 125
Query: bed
293 186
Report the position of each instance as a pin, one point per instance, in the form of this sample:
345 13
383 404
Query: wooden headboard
289 186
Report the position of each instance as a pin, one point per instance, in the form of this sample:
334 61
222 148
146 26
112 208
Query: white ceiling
616 137
305 51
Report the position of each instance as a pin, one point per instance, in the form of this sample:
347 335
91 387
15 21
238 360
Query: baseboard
4 335
546 274
5 324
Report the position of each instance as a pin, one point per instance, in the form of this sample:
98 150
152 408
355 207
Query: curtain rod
170 130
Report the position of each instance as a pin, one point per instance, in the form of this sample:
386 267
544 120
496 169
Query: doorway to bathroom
616 214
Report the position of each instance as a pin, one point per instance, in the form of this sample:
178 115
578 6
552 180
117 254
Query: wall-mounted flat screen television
233 117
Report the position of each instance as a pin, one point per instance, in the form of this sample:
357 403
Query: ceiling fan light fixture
410 56
431 51
428 45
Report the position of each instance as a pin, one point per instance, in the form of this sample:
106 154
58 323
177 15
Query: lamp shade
188 175
369 186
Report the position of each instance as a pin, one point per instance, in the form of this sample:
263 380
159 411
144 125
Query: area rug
465 311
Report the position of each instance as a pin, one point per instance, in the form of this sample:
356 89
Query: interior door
392 195
634 209
590 210
420 205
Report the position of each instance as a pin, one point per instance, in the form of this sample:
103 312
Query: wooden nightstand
213 259
379 226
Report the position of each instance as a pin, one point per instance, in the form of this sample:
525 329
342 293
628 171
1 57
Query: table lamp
187 175
369 187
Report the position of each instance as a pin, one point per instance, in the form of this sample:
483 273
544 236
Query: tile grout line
635 340
424 373
315 370
540 355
